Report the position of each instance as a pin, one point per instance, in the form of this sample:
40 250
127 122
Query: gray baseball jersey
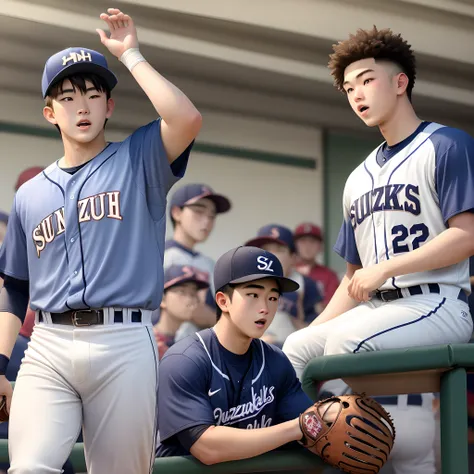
95 238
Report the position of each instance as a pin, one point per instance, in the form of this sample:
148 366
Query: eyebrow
71 91
358 75
260 287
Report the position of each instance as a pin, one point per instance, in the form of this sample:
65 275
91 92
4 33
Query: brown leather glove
3 410
357 437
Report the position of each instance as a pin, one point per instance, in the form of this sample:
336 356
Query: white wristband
131 58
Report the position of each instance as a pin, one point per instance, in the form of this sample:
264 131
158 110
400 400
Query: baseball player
180 298
309 244
193 210
86 236
296 309
224 378
408 221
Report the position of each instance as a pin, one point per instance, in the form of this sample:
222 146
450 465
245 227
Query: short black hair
227 290
78 81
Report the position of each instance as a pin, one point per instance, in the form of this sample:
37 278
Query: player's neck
168 324
183 238
401 124
230 337
76 154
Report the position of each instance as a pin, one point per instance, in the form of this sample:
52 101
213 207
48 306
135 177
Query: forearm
171 104
10 326
448 248
340 303
221 443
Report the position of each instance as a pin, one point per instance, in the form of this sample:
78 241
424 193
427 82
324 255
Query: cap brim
259 241
200 284
221 202
84 68
286 284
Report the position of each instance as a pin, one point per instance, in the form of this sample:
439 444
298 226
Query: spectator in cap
193 211
296 309
180 299
309 245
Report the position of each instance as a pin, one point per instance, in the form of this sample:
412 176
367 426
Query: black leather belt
88 317
412 399
390 295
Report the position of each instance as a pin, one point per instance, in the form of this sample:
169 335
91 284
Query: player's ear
110 107
402 83
222 300
48 114
176 213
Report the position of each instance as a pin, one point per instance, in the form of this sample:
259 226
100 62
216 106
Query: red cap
306 228
27 174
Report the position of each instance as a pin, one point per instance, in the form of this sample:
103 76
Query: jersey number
400 233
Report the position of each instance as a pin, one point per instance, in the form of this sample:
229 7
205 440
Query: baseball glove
359 438
3 410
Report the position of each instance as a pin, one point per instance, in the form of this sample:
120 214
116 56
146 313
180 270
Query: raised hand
123 34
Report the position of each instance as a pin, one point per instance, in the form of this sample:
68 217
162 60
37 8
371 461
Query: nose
83 106
358 94
264 310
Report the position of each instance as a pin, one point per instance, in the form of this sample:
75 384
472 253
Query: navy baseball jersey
88 237
202 383
402 197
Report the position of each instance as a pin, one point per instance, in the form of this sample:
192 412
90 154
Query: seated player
296 309
223 393
180 299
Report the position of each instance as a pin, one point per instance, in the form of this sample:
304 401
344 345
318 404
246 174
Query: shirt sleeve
147 151
346 246
182 395
311 298
292 401
13 251
454 175
14 297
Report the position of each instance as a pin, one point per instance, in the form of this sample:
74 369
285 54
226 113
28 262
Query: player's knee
26 466
291 345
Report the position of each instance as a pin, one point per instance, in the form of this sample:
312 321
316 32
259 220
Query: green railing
428 369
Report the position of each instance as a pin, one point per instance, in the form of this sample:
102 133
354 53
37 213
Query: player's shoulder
444 138
35 184
151 127
274 357
187 352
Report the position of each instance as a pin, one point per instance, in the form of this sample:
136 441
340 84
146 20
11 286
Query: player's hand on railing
123 34
6 390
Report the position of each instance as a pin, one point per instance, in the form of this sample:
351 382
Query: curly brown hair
377 44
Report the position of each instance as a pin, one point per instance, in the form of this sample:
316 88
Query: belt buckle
382 296
76 319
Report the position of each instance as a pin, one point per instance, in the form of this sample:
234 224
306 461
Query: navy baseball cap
191 193
179 274
244 264
75 61
273 233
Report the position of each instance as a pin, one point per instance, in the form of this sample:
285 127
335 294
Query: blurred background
277 138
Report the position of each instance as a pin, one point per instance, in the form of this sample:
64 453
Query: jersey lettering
265 264
392 197
247 410
92 207
263 423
